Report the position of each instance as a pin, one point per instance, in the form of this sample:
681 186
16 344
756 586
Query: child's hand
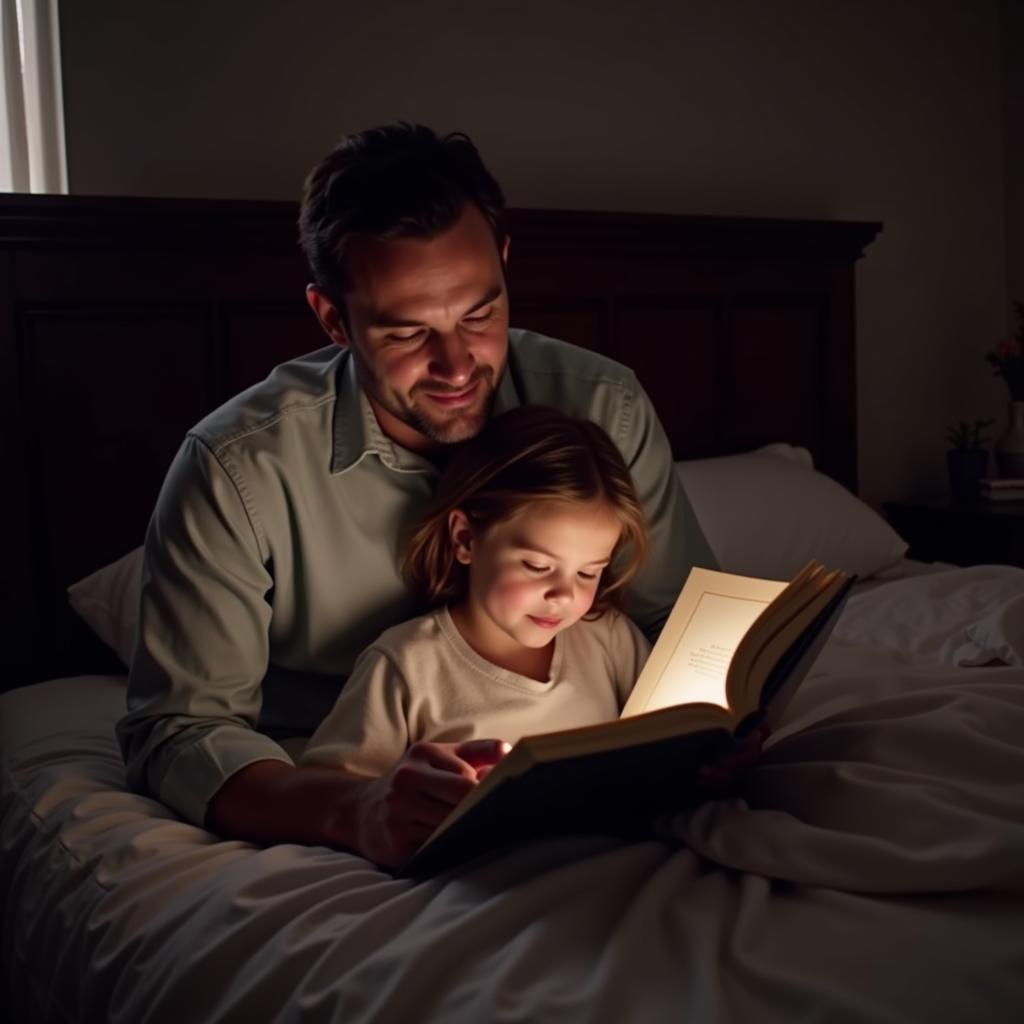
400 810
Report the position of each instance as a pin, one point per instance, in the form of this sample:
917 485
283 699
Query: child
532 533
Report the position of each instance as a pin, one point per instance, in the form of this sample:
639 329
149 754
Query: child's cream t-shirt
421 681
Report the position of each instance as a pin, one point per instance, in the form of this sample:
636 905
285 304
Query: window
32 155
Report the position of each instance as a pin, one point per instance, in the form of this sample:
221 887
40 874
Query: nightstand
962 532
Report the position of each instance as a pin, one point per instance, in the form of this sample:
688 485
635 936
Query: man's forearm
384 819
274 802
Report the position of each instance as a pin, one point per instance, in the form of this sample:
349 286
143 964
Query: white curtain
32 111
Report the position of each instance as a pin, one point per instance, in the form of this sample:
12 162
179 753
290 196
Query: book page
690 661
778 637
774 630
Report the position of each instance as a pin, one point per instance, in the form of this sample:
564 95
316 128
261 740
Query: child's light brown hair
528 455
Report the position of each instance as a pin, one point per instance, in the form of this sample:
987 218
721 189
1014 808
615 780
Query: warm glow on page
697 667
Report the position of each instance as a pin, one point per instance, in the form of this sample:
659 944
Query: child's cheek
516 594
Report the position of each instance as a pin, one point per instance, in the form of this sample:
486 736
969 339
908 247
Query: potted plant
967 457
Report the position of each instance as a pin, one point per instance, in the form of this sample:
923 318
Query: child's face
534 576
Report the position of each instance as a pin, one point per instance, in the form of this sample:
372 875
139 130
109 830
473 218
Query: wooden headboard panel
123 321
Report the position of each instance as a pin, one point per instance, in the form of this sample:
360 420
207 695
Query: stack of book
1003 489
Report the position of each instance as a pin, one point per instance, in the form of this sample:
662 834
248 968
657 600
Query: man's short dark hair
399 180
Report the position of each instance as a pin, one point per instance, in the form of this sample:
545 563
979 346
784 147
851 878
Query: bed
871 868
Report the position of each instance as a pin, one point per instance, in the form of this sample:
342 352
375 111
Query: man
271 558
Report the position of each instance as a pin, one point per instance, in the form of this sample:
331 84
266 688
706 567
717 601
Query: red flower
1007 359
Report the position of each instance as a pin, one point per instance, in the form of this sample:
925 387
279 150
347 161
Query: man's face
427 324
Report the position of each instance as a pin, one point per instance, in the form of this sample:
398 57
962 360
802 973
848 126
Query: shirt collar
508 396
357 433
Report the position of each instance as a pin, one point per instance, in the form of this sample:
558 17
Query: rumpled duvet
871 869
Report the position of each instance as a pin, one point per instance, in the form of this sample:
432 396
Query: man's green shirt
272 556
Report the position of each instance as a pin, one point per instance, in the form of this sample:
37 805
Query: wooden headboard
123 321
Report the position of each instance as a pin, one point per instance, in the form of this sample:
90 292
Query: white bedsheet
873 872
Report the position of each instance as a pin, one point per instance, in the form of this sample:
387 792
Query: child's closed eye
534 567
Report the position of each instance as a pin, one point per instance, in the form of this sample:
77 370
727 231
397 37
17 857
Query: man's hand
396 813
384 819
720 775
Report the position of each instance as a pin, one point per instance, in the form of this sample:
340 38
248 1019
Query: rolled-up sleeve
202 647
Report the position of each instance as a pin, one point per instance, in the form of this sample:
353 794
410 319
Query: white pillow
108 600
767 512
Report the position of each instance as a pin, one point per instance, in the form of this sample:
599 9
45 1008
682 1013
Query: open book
730 656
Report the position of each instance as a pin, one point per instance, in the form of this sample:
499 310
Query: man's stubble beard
445 430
